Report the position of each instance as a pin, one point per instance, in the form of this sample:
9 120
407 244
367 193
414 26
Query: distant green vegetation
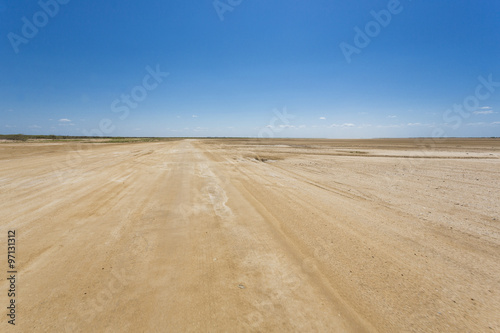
16 137
23 137
62 138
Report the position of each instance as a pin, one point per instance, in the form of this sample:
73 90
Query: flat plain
217 235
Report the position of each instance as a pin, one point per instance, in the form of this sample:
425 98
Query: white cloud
414 124
64 120
484 112
322 118
389 126
281 126
35 126
392 116
194 116
485 107
344 125
476 124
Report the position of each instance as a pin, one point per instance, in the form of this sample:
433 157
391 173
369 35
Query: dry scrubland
254 235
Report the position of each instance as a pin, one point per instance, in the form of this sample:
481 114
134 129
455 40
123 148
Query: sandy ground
253 235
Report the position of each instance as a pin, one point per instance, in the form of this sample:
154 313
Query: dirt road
248 235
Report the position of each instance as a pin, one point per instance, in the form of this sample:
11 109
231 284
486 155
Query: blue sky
332 69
